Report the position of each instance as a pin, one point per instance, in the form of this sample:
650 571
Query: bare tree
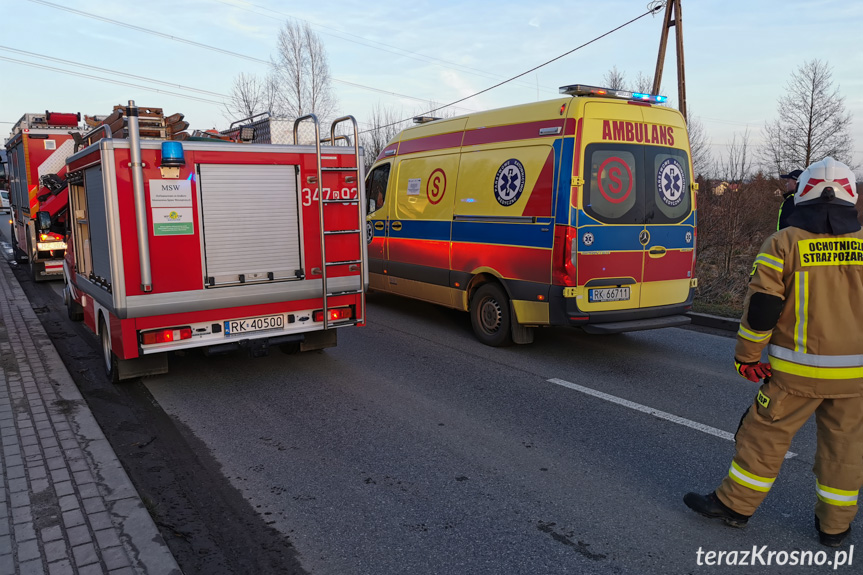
250 95
812 123
699 146
642 84
385 123
614 79
301 73
736 212
737 165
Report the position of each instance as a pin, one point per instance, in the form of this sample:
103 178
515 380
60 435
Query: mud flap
520 333
155 364
319 340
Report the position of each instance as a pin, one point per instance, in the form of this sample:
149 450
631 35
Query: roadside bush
734 219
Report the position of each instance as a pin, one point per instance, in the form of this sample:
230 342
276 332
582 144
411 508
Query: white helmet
827 181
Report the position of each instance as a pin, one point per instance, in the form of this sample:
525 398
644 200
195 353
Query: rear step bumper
636 324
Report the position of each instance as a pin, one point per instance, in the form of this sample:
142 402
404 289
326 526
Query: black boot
831 539
710 506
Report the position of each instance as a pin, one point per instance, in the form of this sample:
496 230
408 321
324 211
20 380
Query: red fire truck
221 245
37 150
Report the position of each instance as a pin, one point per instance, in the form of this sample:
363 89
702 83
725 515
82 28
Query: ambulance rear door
636 224
669 213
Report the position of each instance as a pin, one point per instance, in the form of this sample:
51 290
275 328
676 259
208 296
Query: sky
739 55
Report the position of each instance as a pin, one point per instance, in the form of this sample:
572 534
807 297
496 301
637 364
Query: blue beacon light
172 155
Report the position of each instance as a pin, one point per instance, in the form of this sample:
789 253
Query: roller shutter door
250 223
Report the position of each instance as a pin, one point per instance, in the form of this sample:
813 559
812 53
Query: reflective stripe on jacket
816 346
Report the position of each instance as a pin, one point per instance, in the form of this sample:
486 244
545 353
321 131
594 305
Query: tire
290 348
109 359
17 254
73 308
490 315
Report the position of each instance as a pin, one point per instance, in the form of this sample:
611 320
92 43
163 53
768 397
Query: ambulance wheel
490 315
109 359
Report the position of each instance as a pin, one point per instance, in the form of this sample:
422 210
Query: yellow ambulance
578 211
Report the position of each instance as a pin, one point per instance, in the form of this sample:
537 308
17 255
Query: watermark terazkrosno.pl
762 555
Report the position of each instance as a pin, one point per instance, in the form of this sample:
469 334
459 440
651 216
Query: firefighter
787 198
804 305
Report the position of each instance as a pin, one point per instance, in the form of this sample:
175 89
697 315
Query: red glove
754 371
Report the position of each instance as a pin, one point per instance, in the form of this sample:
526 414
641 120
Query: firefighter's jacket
809 313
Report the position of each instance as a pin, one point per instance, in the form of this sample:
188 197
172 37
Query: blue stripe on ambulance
508 234
564 180
672 237
422 230
609 238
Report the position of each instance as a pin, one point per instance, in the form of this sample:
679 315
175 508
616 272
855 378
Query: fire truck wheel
109 359
73 308
490 315
290 348
17 254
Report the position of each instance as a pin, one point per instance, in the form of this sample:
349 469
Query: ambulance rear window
671 188
613 184
636 184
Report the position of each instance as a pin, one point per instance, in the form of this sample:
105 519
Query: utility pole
676 20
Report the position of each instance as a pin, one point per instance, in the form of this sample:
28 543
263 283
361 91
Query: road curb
714 321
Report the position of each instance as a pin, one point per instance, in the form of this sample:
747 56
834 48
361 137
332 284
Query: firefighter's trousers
764 437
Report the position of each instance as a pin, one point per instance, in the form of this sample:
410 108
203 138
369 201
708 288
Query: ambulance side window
376 187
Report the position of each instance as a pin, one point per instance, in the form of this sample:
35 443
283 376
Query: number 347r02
312 195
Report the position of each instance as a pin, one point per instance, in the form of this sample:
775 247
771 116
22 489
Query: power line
97 68
650 10
371 43
119 82
207 46
149 31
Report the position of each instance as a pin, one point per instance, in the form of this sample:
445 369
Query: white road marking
654 412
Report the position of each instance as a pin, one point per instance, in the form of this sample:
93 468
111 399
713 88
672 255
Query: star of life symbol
688 237
587 239
509 182
670 182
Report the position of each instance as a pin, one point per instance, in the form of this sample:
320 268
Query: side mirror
3 177
43 221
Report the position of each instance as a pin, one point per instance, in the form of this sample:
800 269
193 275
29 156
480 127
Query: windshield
634 184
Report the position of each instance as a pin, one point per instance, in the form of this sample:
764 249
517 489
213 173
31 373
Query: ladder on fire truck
352 177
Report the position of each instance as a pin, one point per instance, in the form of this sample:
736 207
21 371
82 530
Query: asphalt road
412 448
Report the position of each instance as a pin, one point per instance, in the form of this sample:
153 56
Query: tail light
166 335
563 270
51 237
335 314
